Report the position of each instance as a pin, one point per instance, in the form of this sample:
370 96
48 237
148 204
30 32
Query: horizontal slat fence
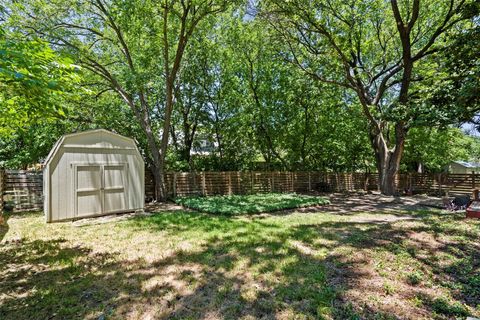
233 182
23 190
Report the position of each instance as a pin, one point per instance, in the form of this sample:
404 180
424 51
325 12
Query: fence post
473 180
291 181
229 174
272 174
440 183
174 186
309 181
251 182
203 184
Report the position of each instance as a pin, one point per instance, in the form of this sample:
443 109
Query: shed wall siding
92 149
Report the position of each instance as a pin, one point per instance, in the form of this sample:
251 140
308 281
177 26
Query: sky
469 129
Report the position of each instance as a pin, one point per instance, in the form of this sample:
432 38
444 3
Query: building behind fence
23 190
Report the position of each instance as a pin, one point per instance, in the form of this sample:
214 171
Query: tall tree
135 48
381 50
458 86
35 81
430 149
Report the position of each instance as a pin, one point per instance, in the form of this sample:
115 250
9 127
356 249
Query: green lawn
250 204
190 265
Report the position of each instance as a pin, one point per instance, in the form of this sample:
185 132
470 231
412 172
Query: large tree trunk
387 176
160 188
157 165
388 159
189 131
157 162
143 118
158 176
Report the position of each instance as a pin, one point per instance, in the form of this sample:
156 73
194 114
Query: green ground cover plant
250 204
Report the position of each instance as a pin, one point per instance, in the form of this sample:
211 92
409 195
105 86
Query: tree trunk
188 136
159 182
387 181
217 129
186 156
388 160
420 167
156 166
160 189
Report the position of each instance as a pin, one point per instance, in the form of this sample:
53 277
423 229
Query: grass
250 204
190 265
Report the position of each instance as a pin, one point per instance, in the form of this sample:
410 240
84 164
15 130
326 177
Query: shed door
88 190
99 189
114 188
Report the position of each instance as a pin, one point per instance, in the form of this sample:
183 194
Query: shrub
442 305
415 277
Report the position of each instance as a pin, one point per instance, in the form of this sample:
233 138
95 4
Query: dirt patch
150 208
162 206
353 202
373 207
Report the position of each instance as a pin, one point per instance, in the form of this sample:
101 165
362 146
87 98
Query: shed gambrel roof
88 132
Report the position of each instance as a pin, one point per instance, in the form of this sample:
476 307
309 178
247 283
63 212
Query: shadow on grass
289 276
3 225
255 268
451 254
307 283
252 271
54 280
48 280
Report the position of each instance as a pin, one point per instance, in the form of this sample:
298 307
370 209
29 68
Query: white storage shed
92 173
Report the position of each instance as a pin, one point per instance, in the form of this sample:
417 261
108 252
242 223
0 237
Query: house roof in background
467 164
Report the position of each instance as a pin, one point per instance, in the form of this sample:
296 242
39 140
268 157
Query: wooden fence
225 183
23 190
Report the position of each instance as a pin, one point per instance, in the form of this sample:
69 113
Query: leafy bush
442 305
249 204
415 277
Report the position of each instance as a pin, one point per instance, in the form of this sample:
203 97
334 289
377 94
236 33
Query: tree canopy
363 85
34 81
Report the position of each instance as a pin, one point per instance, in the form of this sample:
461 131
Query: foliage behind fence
23 190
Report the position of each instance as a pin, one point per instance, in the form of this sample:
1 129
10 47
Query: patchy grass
250 204
190 265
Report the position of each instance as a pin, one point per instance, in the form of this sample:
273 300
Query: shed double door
99 189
